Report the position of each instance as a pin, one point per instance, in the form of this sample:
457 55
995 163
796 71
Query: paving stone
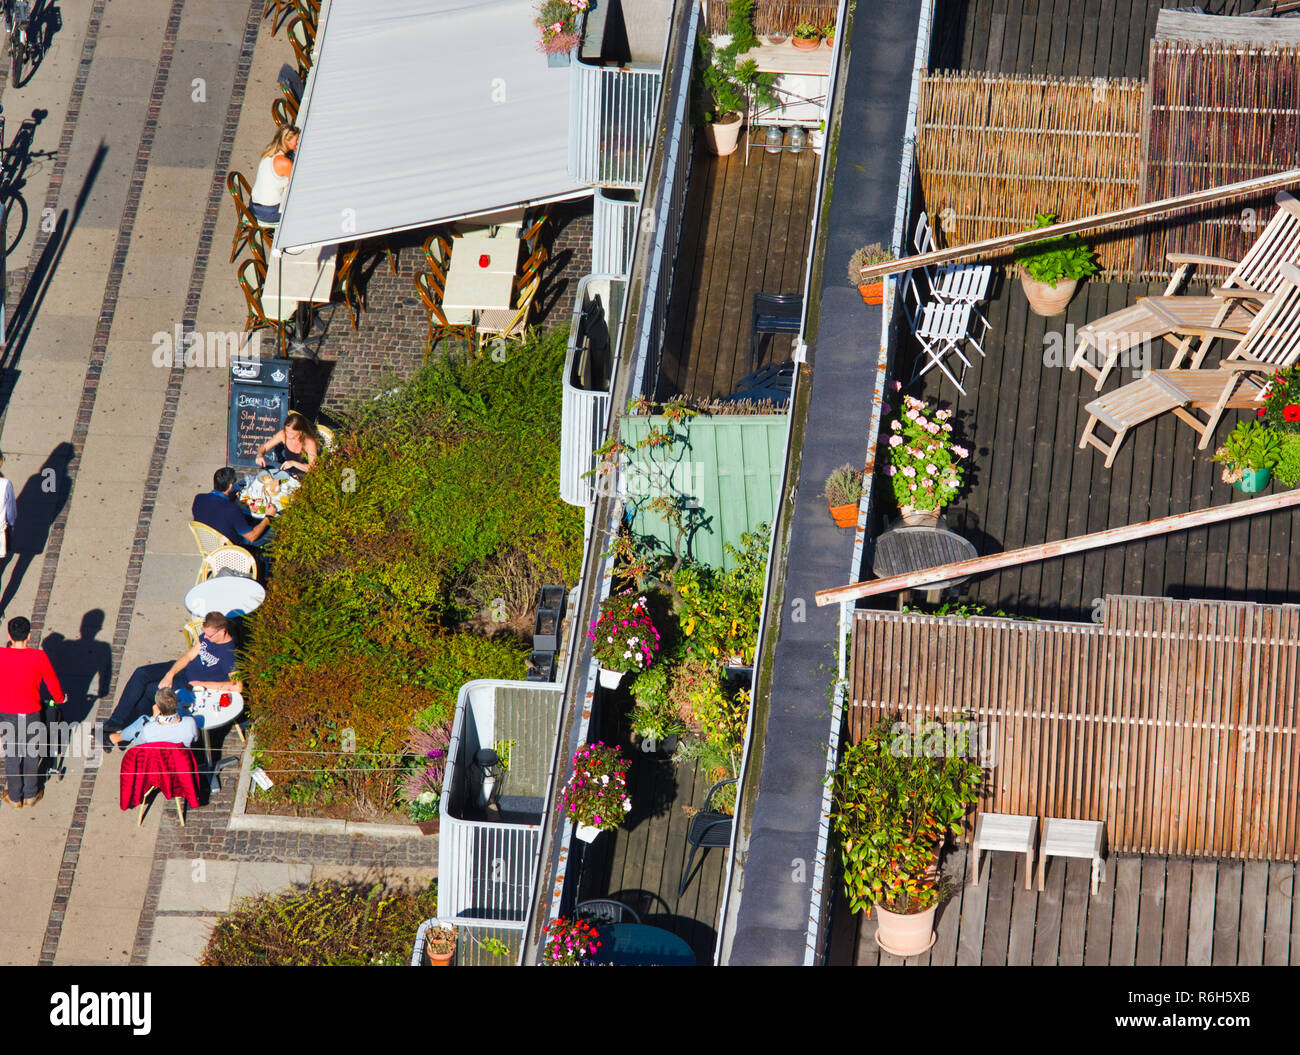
197 883
178 941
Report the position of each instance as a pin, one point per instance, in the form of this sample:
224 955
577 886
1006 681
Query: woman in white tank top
273 175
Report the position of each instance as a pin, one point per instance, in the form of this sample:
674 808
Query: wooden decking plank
1101 905
1117 56
997 916
1227 913
1254 901
1075 902
1200 922
1086 65
1126 874
1024 914
970 937
1151 910
1051 906
948 918
1023 53
1280 907
1048 12
979 34
868 954
1178 893
1135 57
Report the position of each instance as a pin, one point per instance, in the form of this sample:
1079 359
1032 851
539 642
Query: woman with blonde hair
273 175
294 448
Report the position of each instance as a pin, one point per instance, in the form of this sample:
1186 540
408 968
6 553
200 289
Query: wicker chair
248 229
227 558
509 324
207 538
430 286
326 435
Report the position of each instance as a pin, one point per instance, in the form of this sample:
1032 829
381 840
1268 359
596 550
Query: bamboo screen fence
1218 114
776 16
995 150
1175 722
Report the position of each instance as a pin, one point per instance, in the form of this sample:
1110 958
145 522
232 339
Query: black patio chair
606 910
707 829
774 313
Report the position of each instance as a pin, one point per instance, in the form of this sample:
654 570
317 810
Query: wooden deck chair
430 287
509 324
1272 342
1231 306
247 227
223 558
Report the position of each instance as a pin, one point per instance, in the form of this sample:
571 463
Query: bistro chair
774 313
192 631
959 282
310 11
207 538
277 11
430 287
326 434
248 227
531 269
302 34
509 324
250 281
437 251
708 828
290 102
257 254
532 237
227 558
605 910
169 768
280 114
301 55
345 280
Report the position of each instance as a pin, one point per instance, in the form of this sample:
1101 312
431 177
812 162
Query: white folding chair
941 327
964 283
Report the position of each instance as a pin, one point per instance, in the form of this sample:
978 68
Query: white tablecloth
229 595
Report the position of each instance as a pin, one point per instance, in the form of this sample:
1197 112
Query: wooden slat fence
1175 722
776 16
994 150
1217 113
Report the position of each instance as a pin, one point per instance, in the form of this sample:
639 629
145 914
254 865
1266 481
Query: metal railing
611 123
589 369
613 233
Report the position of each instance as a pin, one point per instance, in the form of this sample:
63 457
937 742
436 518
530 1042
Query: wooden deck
746 230
1059 38
1029 482
1150 911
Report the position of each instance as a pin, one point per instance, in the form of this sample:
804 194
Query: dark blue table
639 945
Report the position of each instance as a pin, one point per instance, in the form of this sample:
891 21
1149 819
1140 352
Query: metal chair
708 828
605 910
940 327
964 283
774 313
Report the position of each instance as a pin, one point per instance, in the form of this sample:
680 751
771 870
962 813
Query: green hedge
438 499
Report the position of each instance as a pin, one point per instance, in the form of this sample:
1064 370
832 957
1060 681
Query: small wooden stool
1062 838
1004 831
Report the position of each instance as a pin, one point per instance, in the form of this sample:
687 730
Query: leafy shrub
1288 461
1053 259
436 497
327 925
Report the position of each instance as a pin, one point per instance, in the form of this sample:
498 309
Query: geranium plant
558 22
569 943
1250 447
596 794
925 464
892 811
1053 259
624 637
1281 408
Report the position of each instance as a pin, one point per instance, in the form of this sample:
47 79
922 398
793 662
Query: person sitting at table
164 726
210 664
273 175
294 448
217 509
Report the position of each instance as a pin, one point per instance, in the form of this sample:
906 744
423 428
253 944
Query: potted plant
925 464
1249 452
624 638
1281 409
595 798
1050 269
807 36
873 292
657 727
727 81
843 492
422 784
893 809
569 943
440 945
557 21
828 33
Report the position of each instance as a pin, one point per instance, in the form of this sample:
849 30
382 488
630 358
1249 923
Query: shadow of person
39 504
79 661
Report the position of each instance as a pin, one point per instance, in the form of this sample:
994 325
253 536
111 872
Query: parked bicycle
22 36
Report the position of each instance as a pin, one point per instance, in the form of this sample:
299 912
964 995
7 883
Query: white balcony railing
611 123
614 217
589 369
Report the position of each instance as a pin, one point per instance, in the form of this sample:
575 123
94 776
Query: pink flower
895 441
961 452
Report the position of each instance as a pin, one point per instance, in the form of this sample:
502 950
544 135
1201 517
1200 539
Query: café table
209 714
231 595
294 281
472 284
640 945
906 548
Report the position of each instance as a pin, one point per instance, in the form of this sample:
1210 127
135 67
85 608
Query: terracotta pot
905 933
441 959
723 137
428 827
830 42
845 516
806 45
921 517
873 293
1046 300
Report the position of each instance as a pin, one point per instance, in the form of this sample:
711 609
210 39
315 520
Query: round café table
906 548
230 595
209 713
640 945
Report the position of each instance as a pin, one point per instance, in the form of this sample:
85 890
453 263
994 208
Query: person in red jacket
22 670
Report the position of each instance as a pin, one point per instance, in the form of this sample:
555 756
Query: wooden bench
1062 838
1004 831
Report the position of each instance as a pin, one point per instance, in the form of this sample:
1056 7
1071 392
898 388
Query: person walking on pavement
22 671
8 511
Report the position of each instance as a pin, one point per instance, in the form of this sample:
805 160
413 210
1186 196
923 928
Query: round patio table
640 945
230 595
209 713
906 548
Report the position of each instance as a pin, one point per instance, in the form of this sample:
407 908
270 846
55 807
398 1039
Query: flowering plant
596 794
1250 447
925 464
558 21
422 785
624 637
1281 407
569 942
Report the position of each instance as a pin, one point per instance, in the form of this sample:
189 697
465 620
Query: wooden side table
1004 831
1062 838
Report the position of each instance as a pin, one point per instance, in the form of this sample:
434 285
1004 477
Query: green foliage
844 486
725 80
874 253
1287 469
437 498
1251 446
1282 400
806 31
326 925
892 810
1053 259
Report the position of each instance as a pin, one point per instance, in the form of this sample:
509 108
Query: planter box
546 630
541 666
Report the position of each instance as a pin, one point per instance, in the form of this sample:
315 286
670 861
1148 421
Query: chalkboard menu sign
259 403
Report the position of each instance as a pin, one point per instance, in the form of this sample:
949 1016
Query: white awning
420 111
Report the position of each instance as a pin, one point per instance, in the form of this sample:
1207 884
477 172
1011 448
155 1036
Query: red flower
1291 412
1260 412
